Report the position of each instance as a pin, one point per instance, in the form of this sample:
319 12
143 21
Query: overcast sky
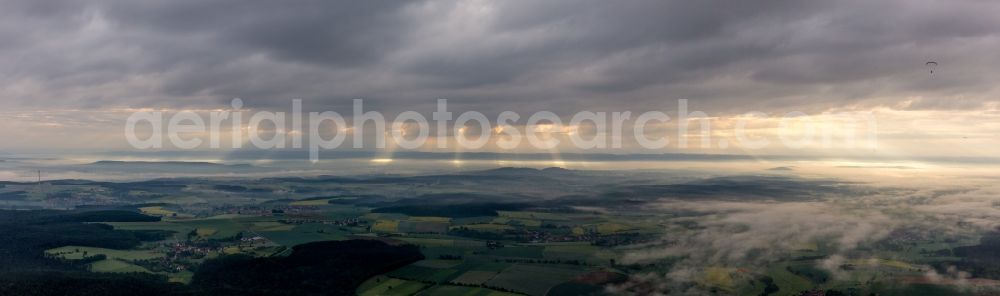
727 57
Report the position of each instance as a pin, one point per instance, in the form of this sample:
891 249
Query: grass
303 234
532 279
575 248
116 266
924 290
788 281
379 286
118 261
384 216
183 277
718 277
533 252
486 266
386 226
231 250
430 242
431 219
437 263
808 247
160 211
574 288
883 262
472 220
518 221
180 200
206 232
76 253
474 277
533 215
156 211
180 230
526 222
224 226
485 227
609 228
420 273
310 202
446 290
271 226
410 226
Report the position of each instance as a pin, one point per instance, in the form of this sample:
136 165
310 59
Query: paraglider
932 65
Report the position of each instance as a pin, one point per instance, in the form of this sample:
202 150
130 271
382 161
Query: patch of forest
317 268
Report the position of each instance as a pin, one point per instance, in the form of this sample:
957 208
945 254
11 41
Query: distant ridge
293 154
524 170
174 163
556 170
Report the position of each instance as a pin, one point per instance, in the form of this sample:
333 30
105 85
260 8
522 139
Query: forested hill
318 268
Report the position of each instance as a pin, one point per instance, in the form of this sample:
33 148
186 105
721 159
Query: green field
271 226
156 211
383 286
532 279
577 251
534 215
76 253
218 227
609 228
412 226
180 230
442 242
431 219
424 274
117 260
116 266
485 227
183 277
443 290
222 227
388 226
305 233
788 281
311 202
493 266
435 263
474 277
532 252
518 221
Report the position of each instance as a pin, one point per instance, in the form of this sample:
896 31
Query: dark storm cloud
322 32
517 55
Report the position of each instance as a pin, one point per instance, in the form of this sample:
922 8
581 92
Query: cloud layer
523 56
499 55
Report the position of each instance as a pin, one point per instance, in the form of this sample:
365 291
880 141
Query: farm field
116 266
532 279
474 277
77 253
290 235
380 286
444 290
470 247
